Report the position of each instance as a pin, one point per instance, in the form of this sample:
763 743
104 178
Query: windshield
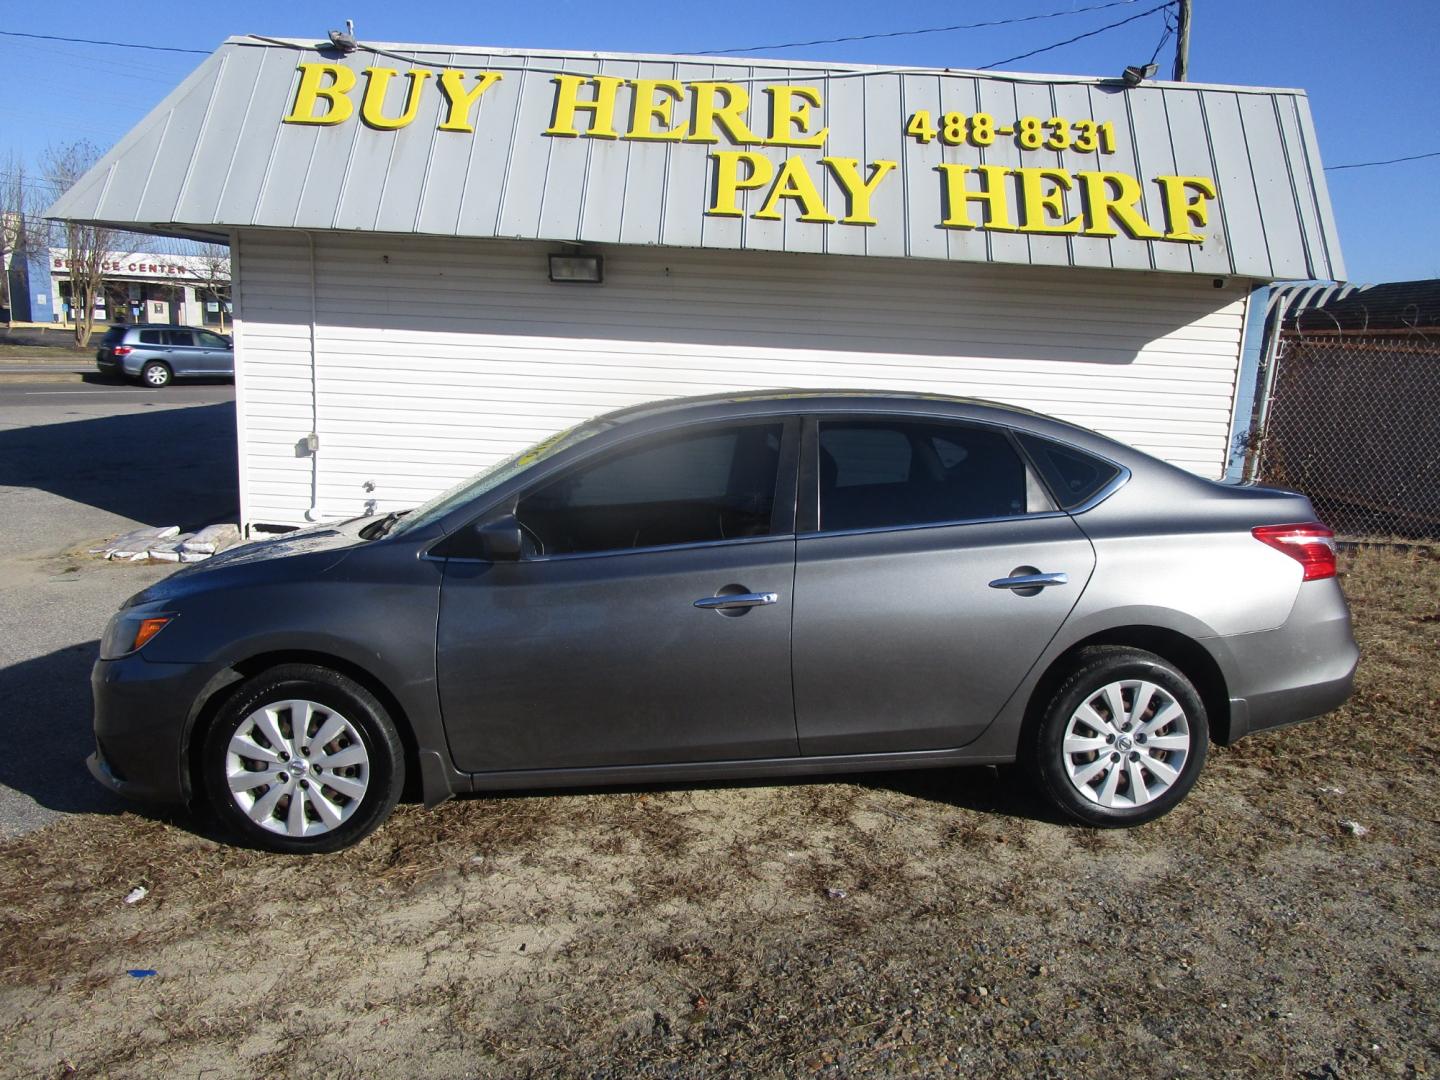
496 475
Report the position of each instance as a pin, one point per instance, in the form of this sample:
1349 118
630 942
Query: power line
113 44
1164 37
913 33
1077 37
1387 161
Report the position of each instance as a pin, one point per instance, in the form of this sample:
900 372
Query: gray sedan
746 585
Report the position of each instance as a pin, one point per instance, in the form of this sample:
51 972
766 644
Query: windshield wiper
377 529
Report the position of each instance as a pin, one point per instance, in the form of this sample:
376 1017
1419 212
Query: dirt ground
1282 922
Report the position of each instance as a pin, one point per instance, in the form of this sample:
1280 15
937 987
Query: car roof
749 402
788 398
158 326
661 414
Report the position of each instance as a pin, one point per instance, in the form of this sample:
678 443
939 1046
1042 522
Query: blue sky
1372 69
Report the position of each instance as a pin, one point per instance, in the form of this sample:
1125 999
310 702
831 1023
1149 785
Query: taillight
121 350
1310 544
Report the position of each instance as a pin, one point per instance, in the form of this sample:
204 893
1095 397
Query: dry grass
919 924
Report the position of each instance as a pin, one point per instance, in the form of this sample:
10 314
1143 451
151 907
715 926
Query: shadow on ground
40 337
172 466
985 789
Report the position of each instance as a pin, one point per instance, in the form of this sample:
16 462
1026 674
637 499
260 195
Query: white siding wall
435 357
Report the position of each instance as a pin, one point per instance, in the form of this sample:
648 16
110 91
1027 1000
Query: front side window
691 487
892 473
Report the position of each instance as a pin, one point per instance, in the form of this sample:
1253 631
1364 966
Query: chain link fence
1353 421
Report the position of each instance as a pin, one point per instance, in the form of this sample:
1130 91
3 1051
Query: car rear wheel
155 374
304 760
1122 739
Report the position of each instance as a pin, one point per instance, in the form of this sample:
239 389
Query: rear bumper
143 712
109 365
1299 671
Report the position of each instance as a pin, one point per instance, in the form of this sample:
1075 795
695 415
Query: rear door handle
737 600
1030 581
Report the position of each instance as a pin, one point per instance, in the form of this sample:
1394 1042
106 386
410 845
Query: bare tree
22 231
86 246
212 276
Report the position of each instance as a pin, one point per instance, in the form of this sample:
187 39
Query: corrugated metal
436 358
215 155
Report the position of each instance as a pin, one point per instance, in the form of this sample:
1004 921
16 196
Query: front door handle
1030 581
737 600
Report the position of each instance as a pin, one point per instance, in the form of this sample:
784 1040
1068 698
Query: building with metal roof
442 253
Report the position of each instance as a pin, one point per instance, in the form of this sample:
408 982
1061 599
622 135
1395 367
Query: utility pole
1182 42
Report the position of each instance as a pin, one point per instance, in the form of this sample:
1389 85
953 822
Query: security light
344 40
577 269
1134 76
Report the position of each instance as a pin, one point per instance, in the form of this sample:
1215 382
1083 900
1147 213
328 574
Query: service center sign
728 119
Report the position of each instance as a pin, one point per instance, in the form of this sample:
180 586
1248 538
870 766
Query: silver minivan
154 355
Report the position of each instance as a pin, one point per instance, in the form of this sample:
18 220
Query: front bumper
143 716
1299 671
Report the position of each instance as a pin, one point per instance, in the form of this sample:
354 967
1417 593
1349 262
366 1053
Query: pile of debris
168 544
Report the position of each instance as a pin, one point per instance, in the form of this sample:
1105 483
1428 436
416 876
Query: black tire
382 778
156 375
1051 767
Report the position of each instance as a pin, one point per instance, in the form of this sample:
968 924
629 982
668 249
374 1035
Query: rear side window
210 341
893 473
1073 476
114 335
181 337
694 487
151 337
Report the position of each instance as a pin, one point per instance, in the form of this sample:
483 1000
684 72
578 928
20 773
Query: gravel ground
1282 922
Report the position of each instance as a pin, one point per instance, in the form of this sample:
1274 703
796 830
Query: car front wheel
155 374
1122 739
304 760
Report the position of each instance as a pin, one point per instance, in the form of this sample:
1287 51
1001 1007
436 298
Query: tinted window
150 337
114 335
863 456
181 337
714 484
879 473
210 341
1072 475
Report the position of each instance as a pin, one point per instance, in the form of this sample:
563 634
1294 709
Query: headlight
128 632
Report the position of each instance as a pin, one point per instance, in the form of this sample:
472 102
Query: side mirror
500 539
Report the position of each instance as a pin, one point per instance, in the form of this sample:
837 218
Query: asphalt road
81 462
68 394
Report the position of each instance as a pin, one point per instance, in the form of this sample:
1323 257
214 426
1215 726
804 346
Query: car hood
302 553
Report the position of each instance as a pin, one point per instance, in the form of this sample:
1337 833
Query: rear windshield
1073 476
114 335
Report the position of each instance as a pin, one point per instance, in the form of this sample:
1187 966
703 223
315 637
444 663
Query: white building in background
144 288
445 253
